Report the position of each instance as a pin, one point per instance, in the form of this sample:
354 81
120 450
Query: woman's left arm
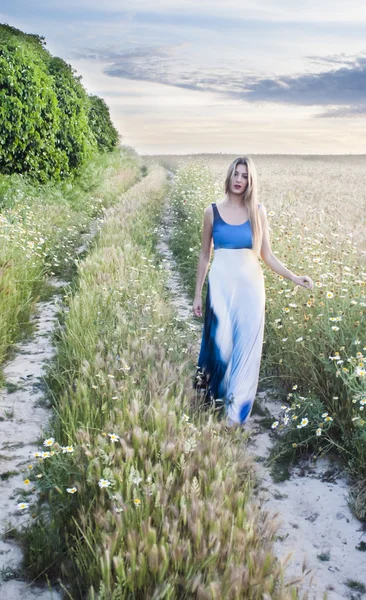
272 261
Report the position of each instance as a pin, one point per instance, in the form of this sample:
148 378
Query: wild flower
113 437
26 481
275 424
49 442
318 431
22 505
71 490
136 479
67 449
104 483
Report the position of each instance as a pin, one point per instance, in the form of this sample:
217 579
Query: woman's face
239 180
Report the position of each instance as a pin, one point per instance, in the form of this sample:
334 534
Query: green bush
29 116
74 136
50 127
105 133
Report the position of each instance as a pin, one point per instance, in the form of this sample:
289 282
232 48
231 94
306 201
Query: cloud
340 86
167 65
344 111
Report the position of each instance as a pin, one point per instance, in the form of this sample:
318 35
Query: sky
229 76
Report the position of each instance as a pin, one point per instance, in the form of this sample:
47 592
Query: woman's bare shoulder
208 215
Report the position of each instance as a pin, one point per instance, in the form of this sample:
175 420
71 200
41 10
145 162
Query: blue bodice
230 236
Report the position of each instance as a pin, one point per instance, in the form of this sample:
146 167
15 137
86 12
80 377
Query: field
314 341
135 492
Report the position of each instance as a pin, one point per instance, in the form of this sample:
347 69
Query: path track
24 416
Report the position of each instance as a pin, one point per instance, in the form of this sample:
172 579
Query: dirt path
24 416
317 524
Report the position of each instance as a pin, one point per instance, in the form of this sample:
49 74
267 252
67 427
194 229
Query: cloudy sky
236 76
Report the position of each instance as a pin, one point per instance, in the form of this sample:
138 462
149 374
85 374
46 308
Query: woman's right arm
204 259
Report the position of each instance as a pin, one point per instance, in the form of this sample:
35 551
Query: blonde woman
232 337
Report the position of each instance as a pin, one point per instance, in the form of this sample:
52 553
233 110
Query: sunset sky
233 76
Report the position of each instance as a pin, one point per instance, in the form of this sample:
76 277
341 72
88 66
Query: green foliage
49 126
74 137
101 125
29 116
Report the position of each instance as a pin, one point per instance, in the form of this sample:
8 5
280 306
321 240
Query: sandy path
24 416
314 513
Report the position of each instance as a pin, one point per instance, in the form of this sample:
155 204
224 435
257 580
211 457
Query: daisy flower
49 442
104 483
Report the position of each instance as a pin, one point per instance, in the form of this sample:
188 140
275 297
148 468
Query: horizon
256 154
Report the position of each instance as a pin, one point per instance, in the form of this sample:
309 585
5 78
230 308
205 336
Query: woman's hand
197 306
304 280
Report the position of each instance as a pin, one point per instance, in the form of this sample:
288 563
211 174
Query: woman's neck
234 200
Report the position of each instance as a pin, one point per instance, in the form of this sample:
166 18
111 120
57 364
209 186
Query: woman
232 337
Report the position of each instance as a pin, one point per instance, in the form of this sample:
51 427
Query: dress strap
215 211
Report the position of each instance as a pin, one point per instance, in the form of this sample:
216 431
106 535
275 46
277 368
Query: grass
361 547
324 556
142 495
40 227
314 341
358 586
7 475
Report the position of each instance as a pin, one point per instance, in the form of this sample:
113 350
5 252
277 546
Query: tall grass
141 497
40 226
314 341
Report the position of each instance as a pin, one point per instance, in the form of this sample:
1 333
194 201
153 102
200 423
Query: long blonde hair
250 198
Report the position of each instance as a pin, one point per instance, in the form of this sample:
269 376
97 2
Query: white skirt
232 337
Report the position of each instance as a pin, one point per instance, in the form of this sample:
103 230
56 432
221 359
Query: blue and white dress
232 336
